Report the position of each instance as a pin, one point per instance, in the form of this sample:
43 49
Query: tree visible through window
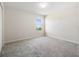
38 23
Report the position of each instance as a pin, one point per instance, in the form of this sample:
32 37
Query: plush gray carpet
41 47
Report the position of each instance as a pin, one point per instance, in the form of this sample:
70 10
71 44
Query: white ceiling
35 8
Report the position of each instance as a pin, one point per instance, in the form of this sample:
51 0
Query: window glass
38 23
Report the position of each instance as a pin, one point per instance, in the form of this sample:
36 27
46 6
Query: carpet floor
41 47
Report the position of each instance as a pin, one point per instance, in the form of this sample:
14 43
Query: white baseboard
25 38
61 38
49 35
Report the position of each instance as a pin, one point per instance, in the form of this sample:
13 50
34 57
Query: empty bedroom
39 29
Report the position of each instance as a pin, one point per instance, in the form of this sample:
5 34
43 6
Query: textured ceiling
35 8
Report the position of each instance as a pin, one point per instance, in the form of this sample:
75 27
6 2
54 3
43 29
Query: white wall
78 16
0 28
19 25
62 23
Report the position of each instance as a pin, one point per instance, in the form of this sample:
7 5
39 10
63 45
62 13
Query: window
38 23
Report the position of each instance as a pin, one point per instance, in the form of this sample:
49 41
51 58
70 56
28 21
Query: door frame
2 7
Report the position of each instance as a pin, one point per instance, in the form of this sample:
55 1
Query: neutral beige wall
20 25
0 28
62 23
